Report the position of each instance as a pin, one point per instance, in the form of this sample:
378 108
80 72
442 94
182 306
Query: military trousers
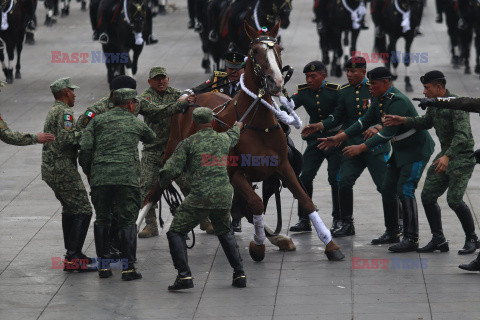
127 204
403 180
72 196
150 167
455 181
313 159
187 217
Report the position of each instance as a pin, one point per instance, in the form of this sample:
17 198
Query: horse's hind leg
254 215
287 175
9 69
18 75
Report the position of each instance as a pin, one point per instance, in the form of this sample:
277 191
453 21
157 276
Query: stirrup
103 38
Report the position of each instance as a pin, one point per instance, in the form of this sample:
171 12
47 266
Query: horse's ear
273 33
251 33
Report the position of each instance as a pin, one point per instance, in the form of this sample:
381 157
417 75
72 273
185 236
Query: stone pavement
286 285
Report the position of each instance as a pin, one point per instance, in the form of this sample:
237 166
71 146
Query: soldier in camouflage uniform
354 101
19 138
452 167
159 93
59 170
411 150
210 196
108 155
319 98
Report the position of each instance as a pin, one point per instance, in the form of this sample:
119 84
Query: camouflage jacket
109 148
210 185
15 138
453 130
59 157
161 125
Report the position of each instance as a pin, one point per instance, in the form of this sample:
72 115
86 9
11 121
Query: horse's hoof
286 244
256 252
408 87
467 70
477 68
18 75
333 253
9 80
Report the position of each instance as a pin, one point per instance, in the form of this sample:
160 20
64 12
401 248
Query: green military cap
379 73
234 60
314 66
61 84
3 83
356 63
124 94
431 76
202 115
155 71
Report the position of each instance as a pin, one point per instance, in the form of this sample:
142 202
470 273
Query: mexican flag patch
68 117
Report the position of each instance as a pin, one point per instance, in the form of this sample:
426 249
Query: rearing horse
261 138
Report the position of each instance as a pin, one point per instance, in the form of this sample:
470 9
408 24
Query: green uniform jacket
416 147
319 104
463 103
222 86
144 107
109 148
15 138
454 132
353 103
161 125
59 157
210 185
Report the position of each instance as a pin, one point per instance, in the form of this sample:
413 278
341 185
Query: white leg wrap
322 231
258 230
138 38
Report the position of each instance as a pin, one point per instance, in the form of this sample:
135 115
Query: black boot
390 215
303 224
410 227
336 210
387 237
434 218
471 240
472 266
178 251
102 246
237 224
83 236
230 247
128 236
75 259
346 206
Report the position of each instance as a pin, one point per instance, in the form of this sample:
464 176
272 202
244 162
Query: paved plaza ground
287 285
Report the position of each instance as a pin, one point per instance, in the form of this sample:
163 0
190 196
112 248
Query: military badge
366 103
68 117
90 114
312 67
68 125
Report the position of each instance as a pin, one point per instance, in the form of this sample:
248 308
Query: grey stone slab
456 315
392 316
313 309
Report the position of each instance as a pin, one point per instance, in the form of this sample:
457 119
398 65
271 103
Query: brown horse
261 138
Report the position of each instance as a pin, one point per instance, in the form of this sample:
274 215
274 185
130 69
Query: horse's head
137 10
282 9
265 58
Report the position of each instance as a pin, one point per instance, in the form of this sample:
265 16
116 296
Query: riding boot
150 40
465 216
438 5
74 241
102 246
178 251
472 266
128 236
237 224
230 247
346 206
83 236
191 24
410 227
115 243
161 10
390 216
303 224
434 218
151 228
67 220
336 209
95 35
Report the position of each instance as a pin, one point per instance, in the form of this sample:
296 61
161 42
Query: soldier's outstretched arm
463 103
159 112
175 164
234 133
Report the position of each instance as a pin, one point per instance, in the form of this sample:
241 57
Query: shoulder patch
390 95
68 125
68 117
332 86
345 86
302 87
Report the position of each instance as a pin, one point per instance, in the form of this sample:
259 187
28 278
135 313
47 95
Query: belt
337 128
404 135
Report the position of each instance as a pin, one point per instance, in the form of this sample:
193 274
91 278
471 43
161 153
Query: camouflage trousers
126 200
150 167
187 217
455 181
72 195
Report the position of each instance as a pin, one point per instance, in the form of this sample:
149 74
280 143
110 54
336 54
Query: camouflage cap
2 84
124 94
202 115
155 71
61 84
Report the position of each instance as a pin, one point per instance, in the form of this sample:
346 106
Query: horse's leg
323 43
407 61
394 57
137 50
18 75
241 185
287 175
11 56
206 56
467 42
337 54
477 50
128 65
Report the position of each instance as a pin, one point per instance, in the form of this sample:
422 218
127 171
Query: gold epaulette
390 95
302 87
345 86
332 86
219 73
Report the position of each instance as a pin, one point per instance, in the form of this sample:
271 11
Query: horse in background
397 19
469 11
450 7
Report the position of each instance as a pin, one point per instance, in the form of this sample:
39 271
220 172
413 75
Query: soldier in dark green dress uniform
319 98
452 167
411 150
354 101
